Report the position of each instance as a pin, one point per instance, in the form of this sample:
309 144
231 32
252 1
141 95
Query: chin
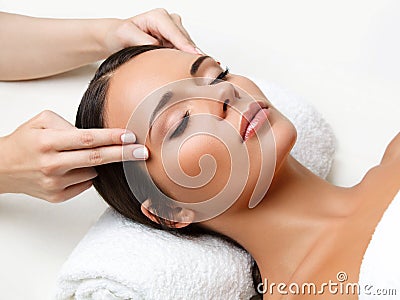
285 135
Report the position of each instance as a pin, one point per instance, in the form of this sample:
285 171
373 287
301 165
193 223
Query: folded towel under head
120 259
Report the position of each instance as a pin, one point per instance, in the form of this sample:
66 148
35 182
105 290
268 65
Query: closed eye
221 76
181 127
183 124
225 106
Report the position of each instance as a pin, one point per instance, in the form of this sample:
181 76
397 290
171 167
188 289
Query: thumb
48 119
133 36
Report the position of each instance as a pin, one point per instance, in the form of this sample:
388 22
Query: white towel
315 144
119 259
125 260
380 268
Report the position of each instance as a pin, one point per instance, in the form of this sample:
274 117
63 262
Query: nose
225 90
224 95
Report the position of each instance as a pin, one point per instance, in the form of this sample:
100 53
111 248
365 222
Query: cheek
200 151
247 85
200 171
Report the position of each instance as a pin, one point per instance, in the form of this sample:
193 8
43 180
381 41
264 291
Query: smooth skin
305 229
47 157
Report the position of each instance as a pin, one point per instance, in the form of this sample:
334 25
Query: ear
147 212
183 214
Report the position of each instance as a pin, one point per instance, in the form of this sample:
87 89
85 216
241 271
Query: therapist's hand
156 27
59 45
48 158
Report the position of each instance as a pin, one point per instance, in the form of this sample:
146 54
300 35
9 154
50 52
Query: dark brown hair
110 182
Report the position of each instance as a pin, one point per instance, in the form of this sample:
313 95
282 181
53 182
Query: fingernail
141 153
198 51
128 137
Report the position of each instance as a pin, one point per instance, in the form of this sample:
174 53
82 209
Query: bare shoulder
392 153
384 179
390 163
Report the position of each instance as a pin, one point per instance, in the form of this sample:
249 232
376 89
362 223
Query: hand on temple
155 27
59 45
49 158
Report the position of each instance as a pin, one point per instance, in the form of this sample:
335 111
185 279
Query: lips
252 119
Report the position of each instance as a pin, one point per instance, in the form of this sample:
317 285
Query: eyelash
221 76
182 126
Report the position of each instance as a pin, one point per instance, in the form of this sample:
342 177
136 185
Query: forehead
140 76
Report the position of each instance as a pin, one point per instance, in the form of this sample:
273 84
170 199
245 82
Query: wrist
102 32
3 166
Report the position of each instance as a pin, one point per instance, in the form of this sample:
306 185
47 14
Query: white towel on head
131 261
119 259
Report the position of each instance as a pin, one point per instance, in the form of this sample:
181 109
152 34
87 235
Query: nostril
225 106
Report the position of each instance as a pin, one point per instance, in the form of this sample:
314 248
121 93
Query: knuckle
87 139
49 168
176 17
160 11
45 115
44 144
121 32
95 157
50 183
115 137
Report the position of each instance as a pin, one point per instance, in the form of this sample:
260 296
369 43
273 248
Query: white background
341 56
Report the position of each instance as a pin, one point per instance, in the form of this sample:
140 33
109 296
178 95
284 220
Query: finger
178 21
75 190
133 36
166 43
48 119
103 155
76 176
168 29
63 140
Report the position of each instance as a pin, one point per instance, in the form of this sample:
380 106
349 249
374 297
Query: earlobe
185 216
147 212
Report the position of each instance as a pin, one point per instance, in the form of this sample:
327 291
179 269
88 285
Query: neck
281 231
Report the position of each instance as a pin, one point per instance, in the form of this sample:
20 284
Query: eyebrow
164 100
196 65
168 95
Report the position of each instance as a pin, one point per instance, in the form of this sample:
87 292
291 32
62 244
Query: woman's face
182 115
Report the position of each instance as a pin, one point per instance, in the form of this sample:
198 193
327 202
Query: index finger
170 31
64 140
